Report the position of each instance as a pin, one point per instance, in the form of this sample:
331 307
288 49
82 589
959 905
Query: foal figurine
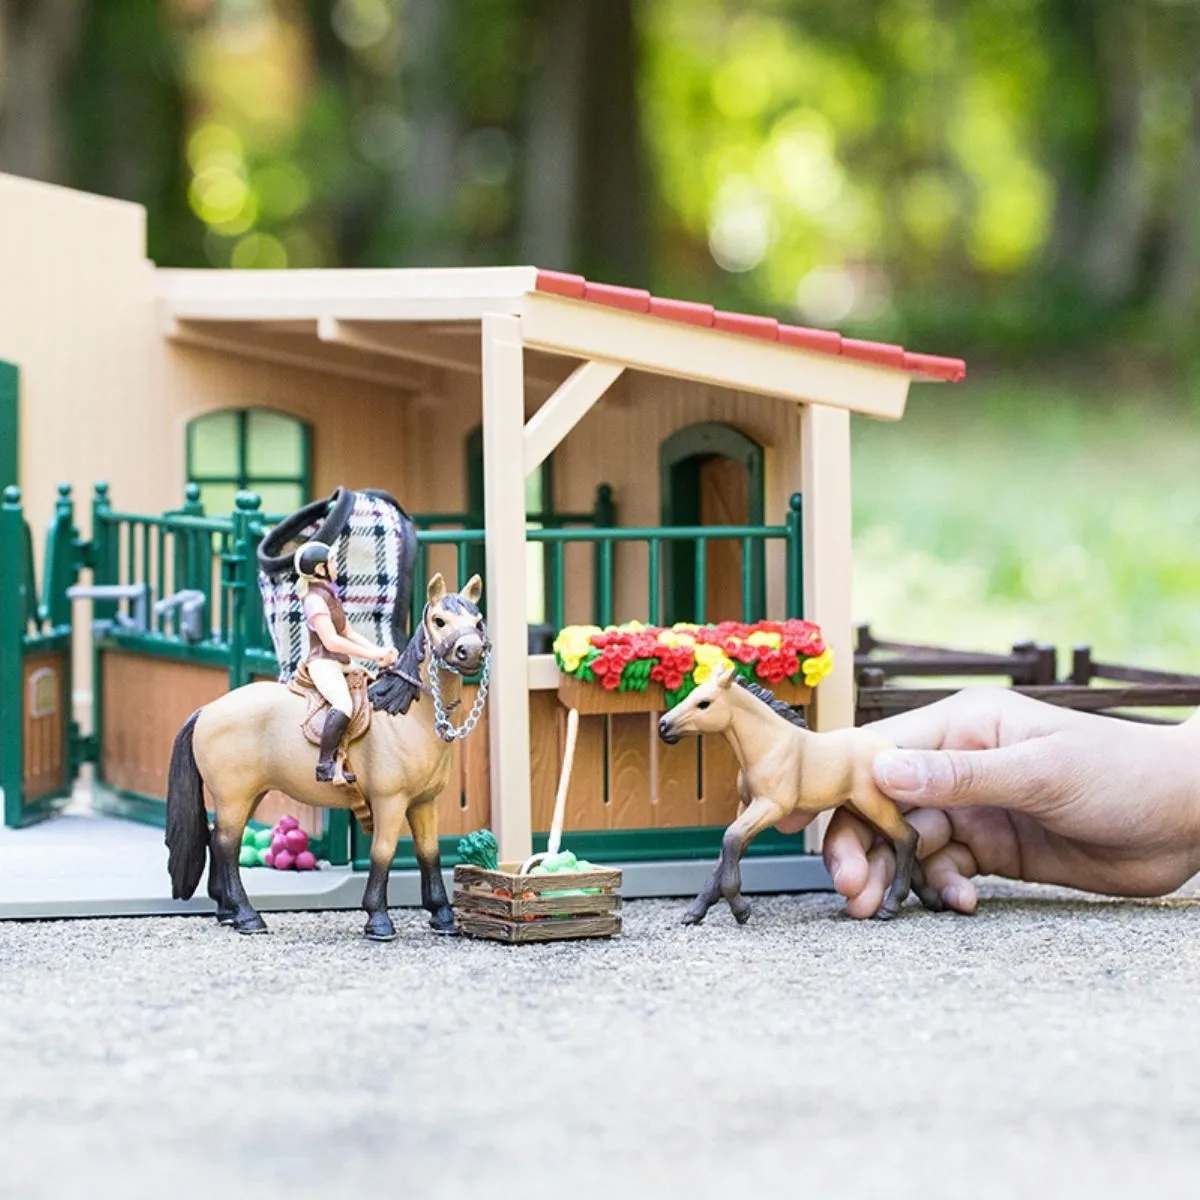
787 769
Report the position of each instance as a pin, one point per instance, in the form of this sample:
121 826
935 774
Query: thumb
1009 777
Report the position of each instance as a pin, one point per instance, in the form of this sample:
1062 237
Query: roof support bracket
562 411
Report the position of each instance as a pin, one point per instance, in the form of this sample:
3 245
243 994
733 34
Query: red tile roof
823 341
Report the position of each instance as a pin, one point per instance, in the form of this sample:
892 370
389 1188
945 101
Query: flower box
506 906
636 668
591 699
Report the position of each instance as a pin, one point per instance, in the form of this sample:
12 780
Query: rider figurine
331 642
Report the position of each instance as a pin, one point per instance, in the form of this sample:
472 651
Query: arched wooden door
712 474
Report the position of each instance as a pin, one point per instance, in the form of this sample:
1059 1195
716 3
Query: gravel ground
1047 1046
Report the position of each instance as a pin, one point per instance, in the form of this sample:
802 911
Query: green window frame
258 449
539 513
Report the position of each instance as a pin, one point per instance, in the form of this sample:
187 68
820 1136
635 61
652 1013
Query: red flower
608 667
674 662
645 645
804 638
772 667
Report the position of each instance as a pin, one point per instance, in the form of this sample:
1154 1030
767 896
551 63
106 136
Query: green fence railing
213 557
654 539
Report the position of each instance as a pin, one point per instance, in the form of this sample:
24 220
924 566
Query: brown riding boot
335 725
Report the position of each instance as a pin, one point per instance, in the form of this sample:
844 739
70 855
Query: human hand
388 656
997 783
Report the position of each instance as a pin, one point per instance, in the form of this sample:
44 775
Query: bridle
438 663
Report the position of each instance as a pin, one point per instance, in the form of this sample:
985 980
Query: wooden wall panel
678 784
630 787
718 782
477 814
585 804
43 684
547 741
146 701
462 804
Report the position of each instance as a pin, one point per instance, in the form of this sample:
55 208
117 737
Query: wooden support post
565 409
504 523
825 484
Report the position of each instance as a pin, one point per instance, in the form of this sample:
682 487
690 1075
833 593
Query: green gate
39 742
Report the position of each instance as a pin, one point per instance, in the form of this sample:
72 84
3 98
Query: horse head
453 625
706 709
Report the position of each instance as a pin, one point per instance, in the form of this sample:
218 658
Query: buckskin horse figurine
251 741
786 769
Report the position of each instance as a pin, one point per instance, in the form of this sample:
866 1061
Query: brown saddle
313 725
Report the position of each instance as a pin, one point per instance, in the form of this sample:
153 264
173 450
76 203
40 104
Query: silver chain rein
441 721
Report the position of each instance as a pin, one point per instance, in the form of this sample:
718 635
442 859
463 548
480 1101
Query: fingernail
901 772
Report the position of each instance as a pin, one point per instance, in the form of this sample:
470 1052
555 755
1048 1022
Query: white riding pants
330 678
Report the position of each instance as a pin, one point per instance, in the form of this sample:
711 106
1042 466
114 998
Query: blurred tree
586 199
126 117
992 171
38 43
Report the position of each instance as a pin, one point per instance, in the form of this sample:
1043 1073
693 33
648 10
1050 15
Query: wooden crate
508 907
592 698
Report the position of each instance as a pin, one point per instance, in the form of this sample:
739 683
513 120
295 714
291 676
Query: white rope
560 801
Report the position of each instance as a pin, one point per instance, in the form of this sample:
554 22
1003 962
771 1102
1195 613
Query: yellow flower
764 637
815 669
708 660
684 625
572 645
670 638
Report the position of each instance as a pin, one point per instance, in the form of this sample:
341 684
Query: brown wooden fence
1029 668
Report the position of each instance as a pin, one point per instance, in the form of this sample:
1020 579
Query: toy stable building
580 426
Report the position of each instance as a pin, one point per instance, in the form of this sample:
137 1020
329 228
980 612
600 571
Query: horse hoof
225 918
741 913
247 925
886 914
379 928
443 923
692 918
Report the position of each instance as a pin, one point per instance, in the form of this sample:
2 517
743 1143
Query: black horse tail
187 820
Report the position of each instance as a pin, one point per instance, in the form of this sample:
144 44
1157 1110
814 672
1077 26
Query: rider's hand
388 657
1000 784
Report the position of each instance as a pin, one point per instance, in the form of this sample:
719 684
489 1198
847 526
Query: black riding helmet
309 557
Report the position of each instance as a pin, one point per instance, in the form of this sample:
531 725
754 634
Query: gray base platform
81 864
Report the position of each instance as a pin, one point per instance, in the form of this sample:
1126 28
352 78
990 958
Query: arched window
539 505
255 448
712 474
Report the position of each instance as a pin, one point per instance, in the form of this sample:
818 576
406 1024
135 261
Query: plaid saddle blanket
375 545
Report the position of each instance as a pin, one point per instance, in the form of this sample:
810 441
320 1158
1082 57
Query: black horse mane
393 692
782 707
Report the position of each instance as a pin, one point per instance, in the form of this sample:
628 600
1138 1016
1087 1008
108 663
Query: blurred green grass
1007 509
